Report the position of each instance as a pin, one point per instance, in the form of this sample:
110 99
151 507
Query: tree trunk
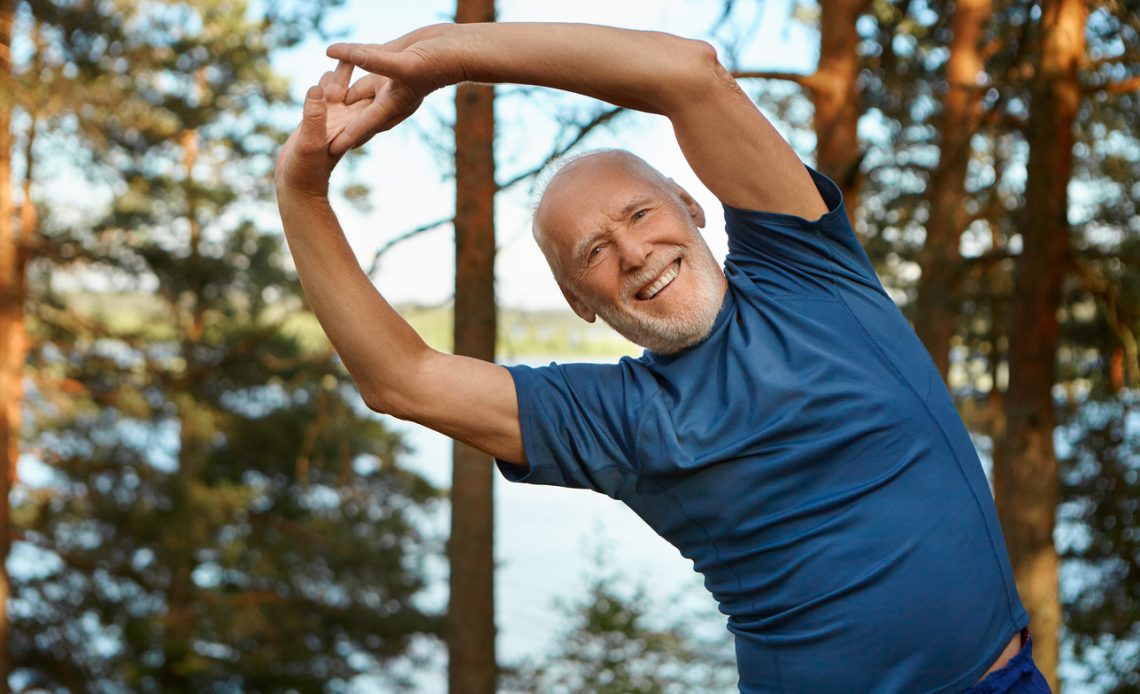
471 611
936 310
11 325
835 95
1025 481
196 429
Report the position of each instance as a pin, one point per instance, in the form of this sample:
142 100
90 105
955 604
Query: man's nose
633 251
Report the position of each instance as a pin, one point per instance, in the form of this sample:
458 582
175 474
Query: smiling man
784 429
635 258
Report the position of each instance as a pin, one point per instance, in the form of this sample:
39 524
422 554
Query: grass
523 335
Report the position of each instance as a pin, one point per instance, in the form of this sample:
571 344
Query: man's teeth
666 277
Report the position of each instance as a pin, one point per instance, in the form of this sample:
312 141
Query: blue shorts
1019 676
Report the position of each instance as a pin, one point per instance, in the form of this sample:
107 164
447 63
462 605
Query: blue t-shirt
808 459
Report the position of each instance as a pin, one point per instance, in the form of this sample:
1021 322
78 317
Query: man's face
627 248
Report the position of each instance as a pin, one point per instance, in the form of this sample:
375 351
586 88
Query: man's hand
404 71
305 163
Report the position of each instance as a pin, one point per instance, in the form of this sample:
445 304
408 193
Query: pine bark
471 611
835 97
936 310
1025 471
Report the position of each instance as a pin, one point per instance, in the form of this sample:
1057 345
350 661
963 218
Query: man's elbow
385 401
398 398
397 386
704 53
703 75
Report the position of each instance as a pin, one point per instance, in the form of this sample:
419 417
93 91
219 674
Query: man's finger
325 79
374 59
313 132
364 88
343 74
337 87
337 84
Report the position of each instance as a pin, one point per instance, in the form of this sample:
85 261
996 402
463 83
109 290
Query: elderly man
785 429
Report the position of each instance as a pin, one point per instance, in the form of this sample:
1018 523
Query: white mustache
634 284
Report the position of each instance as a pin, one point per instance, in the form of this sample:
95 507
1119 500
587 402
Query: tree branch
1092 64
1119 87
799 78
599 119
995 256
374 266
1106 292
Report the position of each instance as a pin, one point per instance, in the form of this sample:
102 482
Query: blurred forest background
195 498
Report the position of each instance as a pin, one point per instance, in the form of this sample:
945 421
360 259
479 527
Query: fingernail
315 93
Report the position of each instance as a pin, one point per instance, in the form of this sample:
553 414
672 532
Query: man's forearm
377 346
643 70
718 127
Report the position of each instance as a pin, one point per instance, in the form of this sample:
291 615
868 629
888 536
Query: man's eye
595 251
639 214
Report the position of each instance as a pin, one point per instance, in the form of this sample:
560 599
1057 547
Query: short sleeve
578 425
790 255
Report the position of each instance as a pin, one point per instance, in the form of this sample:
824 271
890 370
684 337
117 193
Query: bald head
577 185
624 244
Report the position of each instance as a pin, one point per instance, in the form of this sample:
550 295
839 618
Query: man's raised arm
731 146
397 373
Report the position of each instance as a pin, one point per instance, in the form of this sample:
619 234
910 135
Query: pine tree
616 642
217 509
471 607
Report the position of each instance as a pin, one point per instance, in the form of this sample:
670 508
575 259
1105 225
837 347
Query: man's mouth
663 280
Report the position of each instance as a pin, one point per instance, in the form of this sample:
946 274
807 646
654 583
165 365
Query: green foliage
617 643
1101 553
528 334
212 508
219 511
208 533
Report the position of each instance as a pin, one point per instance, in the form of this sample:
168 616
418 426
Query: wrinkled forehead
586 192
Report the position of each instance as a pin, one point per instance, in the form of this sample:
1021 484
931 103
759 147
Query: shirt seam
680 504
637 471
970 679
528 427
801 297
941 430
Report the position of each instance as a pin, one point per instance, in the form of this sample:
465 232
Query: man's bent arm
397 373
731 146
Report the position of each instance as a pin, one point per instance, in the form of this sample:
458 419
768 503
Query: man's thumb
313 118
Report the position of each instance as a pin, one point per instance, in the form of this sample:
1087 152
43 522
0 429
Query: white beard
673 333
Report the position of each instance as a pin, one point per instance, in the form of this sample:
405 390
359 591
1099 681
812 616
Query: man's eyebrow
635 203
585 244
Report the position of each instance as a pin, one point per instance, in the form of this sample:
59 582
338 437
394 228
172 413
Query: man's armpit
472 401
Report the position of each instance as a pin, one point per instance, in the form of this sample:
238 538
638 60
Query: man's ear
584 312
695 210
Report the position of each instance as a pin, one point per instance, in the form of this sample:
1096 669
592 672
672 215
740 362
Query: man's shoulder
625 373
828 190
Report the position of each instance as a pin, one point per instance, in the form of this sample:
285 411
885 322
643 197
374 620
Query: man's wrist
293 196
469 40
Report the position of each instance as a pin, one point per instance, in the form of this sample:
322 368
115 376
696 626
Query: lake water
546 541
